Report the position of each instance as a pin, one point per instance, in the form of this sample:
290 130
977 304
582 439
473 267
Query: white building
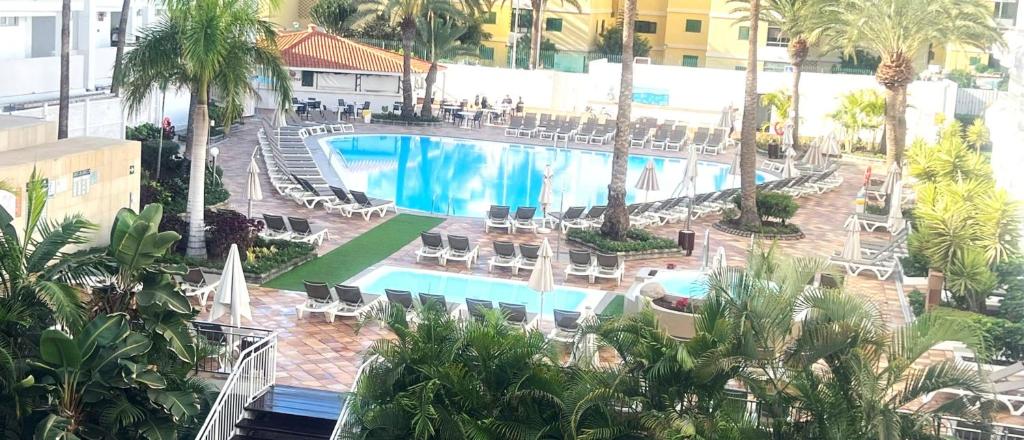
30 56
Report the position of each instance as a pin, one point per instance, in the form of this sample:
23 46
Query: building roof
315 49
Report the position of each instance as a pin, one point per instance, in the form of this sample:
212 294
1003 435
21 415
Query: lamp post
214 152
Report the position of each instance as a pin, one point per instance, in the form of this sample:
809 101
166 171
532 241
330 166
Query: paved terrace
316 354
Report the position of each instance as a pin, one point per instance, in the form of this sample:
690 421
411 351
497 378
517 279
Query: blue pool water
456 288
464 177
688 283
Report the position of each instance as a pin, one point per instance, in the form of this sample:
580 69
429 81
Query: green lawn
362 252
615 306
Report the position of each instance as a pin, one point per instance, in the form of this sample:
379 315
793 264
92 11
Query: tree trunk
65 70
748 137
197 176
616 220
408 34
538 9
895 124
193 100
428 89
797 54
122 30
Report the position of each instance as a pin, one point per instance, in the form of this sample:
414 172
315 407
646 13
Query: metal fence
974 101
224 345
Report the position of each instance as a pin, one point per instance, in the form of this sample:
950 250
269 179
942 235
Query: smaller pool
688 283
457 287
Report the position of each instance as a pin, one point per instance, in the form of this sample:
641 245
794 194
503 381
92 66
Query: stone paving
316 354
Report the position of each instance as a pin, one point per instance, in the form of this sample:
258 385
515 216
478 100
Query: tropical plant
780 102
537 8
64 100
616 219
441 378
609 42
859 110
335 16
977 135
439 37
206 45
898 30
961 77
748 132
405 13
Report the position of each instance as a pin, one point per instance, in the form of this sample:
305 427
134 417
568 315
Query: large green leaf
138 243
158 429
54 428
59 349
160 290
133 345
142 374
178 337
180 404
102 331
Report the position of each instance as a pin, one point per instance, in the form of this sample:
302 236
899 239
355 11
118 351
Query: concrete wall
695 95
99 116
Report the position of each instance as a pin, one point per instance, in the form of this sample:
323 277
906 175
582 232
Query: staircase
291 413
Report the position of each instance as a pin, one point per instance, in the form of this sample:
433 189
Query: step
303 402
278 431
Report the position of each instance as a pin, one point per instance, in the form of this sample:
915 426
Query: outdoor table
467 119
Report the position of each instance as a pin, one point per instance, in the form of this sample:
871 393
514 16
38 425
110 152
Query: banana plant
107 365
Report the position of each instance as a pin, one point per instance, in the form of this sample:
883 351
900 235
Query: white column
89 45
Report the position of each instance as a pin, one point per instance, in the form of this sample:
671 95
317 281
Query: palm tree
780 102
537 8
899 30
205 45
405 14
859 110
439 38
616 219
122 30
64 103
748 135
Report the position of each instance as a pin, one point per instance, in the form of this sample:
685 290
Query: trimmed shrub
915 264
226 227
772 205
1003 339
637 240
143 132
916 300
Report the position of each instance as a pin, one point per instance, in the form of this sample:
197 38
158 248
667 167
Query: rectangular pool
457 287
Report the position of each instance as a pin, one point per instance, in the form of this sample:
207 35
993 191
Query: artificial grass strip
361 252
615 306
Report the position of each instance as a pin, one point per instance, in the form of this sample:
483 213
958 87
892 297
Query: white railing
253 373
340 426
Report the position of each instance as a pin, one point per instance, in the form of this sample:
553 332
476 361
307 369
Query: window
739 68
974 61
646 27
776 39
553 24
744 33
691 61
1006 13
80 182
8 21
486 53
525 20
490 18
693 26
307 78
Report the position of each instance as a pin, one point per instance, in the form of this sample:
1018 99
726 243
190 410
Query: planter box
253 278
741 233
632 256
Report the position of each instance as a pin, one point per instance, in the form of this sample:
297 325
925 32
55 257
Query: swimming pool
688 283
464 177
457 287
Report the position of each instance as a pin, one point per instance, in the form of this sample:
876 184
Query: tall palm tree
64 102
898 31
438 38
122 31
537 7
405 14
748 135
616 219
206 45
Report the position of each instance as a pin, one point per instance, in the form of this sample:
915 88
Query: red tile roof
315 49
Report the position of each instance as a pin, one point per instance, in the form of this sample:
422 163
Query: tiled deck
316 354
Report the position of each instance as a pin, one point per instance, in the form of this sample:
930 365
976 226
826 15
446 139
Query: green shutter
486 53
693 26
553 24
490 18
744 33
691 61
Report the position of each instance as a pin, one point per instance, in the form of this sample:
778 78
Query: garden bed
394 119
639 244
269 258
769 230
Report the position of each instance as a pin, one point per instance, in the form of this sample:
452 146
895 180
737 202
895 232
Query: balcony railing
224 345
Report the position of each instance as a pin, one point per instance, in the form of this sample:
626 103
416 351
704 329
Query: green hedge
263 257
772 205
637 240
398 117
1003 338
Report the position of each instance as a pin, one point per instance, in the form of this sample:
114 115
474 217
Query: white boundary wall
696 95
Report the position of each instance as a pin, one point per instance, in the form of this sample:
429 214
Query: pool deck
316 354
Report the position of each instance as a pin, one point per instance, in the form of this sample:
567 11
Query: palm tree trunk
538 8
64 103
121 31
428 89
408 34
197 176
748 139
895 123
616 221
193 99
795 99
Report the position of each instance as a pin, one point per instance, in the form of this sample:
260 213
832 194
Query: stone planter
632 256
741 233
252 278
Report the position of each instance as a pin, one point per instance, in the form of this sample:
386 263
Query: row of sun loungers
298 229
667 136
586 264
498 218
351 301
